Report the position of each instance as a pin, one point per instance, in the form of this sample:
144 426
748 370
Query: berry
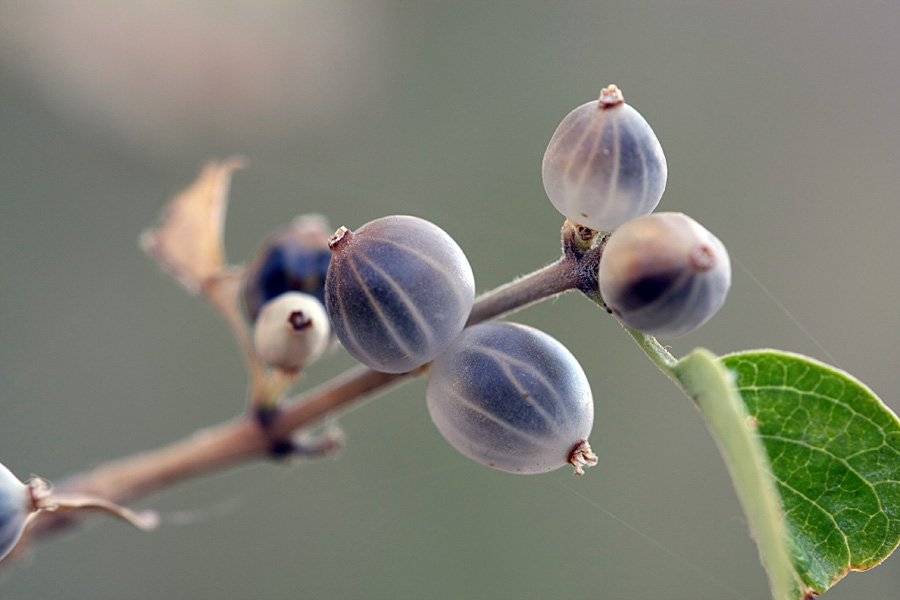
664 274
15 506
513 398
291 331
294 259
604 165
398 291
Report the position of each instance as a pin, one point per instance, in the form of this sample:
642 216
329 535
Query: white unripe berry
291 331
664 274
15 506
604 165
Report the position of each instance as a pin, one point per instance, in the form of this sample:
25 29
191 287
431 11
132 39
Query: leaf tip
187 240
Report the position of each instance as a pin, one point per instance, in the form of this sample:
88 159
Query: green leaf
710 385
813 454
834 450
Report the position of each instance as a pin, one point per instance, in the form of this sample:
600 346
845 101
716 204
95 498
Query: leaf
187 242
834 450
706 381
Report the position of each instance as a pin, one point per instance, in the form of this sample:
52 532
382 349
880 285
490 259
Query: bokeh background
780 125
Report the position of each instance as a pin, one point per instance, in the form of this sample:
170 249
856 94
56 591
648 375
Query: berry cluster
399 292
283 292
662 274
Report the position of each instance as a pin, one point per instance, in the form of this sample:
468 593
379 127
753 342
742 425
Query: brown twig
243 440
208 450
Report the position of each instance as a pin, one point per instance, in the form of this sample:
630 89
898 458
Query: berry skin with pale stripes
604 165
291 331
513 398
15 506
398 291
664 274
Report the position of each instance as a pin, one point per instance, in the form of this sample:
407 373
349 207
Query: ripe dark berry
294 259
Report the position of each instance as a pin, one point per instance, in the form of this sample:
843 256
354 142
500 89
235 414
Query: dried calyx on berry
399 290
20 502
604 165
664 274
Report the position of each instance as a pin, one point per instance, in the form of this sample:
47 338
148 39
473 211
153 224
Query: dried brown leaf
187 241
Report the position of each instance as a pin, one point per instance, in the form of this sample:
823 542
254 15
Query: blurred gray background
780 125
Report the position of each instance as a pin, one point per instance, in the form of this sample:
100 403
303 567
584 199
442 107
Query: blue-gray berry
604 165
664 274
15 507
513 398
398 291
